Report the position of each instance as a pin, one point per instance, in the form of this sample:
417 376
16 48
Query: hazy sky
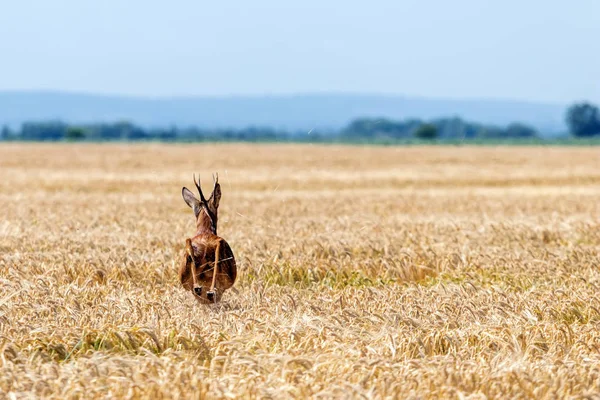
544 50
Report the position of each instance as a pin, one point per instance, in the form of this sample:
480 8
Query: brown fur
208 266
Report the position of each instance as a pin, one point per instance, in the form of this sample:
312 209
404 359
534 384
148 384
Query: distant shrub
74 133
426 132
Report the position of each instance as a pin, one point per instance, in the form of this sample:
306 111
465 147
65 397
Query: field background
363 272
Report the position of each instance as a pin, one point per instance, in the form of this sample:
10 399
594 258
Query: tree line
583 120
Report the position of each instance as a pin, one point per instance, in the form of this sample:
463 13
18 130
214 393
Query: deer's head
204 210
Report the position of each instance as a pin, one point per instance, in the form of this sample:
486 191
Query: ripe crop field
375 272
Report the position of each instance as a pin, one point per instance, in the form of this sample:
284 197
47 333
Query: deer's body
208 266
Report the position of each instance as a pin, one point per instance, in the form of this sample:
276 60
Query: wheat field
363 272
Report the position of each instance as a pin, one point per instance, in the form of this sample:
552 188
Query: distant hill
292 112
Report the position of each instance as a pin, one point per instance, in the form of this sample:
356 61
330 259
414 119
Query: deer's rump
205 249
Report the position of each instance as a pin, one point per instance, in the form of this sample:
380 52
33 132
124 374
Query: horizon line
267 95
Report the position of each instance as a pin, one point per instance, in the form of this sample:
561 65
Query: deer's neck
204 226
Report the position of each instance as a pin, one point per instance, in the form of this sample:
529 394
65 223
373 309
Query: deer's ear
191 200
215 197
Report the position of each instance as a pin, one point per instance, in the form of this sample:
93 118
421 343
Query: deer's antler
202 198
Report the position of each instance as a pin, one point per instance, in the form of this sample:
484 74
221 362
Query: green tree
583 119
49 130
426 132
6 133
518 130
373 128
74 133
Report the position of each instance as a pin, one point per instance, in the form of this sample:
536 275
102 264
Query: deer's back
205 248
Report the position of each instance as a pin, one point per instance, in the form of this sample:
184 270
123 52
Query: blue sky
532 50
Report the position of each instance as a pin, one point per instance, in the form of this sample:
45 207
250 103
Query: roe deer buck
208 266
